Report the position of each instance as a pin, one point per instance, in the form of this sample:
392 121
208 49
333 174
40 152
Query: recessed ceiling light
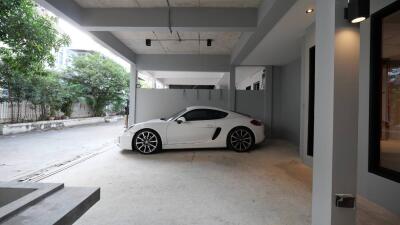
310 10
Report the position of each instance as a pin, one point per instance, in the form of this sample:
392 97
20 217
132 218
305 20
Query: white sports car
195 127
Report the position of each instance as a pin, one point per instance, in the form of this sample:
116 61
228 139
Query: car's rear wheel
146 142
241 139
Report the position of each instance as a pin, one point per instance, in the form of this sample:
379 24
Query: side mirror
181 120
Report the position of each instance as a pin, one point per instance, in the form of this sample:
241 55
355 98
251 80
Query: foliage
102 81
27 42
28 36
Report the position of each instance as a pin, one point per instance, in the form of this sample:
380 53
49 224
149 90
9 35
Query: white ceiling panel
167 43
163 3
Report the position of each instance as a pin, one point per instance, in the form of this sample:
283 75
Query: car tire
146 141
241 139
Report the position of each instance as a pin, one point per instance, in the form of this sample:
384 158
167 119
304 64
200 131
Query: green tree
102 81
27 42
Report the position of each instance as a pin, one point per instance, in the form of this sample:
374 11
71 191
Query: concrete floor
22 154
196 187
269 186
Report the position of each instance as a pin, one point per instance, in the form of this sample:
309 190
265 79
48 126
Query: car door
198 128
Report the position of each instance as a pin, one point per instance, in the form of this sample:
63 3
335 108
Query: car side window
204 114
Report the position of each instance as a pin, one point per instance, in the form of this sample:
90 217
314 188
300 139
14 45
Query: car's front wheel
240 139
146 142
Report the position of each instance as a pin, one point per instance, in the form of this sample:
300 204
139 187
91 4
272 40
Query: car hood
152 121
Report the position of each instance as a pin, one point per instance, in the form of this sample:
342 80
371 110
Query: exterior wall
162 103
377 189
251 103
286 102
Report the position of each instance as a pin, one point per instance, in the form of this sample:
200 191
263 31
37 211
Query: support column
132 95
232 89
336 113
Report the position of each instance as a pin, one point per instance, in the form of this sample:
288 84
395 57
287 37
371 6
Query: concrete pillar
336 113
232 89
154 82
132 95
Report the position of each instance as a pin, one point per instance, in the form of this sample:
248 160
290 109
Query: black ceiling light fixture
148 42
209 42
357 11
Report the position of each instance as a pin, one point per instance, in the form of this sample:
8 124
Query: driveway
22 154
268 186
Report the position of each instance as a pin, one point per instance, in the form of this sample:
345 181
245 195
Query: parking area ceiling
193 42
163 3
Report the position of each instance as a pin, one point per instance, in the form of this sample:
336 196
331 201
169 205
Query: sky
81 40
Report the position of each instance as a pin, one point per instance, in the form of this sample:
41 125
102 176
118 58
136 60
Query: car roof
206 107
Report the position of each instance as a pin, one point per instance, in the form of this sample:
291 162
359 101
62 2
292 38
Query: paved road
25 153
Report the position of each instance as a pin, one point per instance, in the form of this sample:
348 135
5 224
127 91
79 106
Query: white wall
162 103
251 103
286 102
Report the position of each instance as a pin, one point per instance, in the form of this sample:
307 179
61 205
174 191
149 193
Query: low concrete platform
268 186
44 203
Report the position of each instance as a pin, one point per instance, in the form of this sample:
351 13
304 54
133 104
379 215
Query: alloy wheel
241 140
146 142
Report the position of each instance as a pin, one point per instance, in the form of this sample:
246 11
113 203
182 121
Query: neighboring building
65 56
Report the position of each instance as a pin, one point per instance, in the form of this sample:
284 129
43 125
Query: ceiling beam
181 19
72 12
204 63
269 14
119 48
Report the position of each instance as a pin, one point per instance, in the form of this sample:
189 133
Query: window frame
375 104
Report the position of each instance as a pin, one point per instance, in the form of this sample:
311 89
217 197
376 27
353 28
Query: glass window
204 114
385 93
256 86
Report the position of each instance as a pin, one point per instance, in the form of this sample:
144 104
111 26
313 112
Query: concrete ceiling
163 3
187 78
283 43
223 42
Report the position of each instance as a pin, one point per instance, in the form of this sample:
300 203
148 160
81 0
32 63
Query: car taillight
256 122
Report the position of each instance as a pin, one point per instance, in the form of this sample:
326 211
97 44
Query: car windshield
175 115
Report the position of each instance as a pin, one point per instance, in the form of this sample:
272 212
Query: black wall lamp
357 11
